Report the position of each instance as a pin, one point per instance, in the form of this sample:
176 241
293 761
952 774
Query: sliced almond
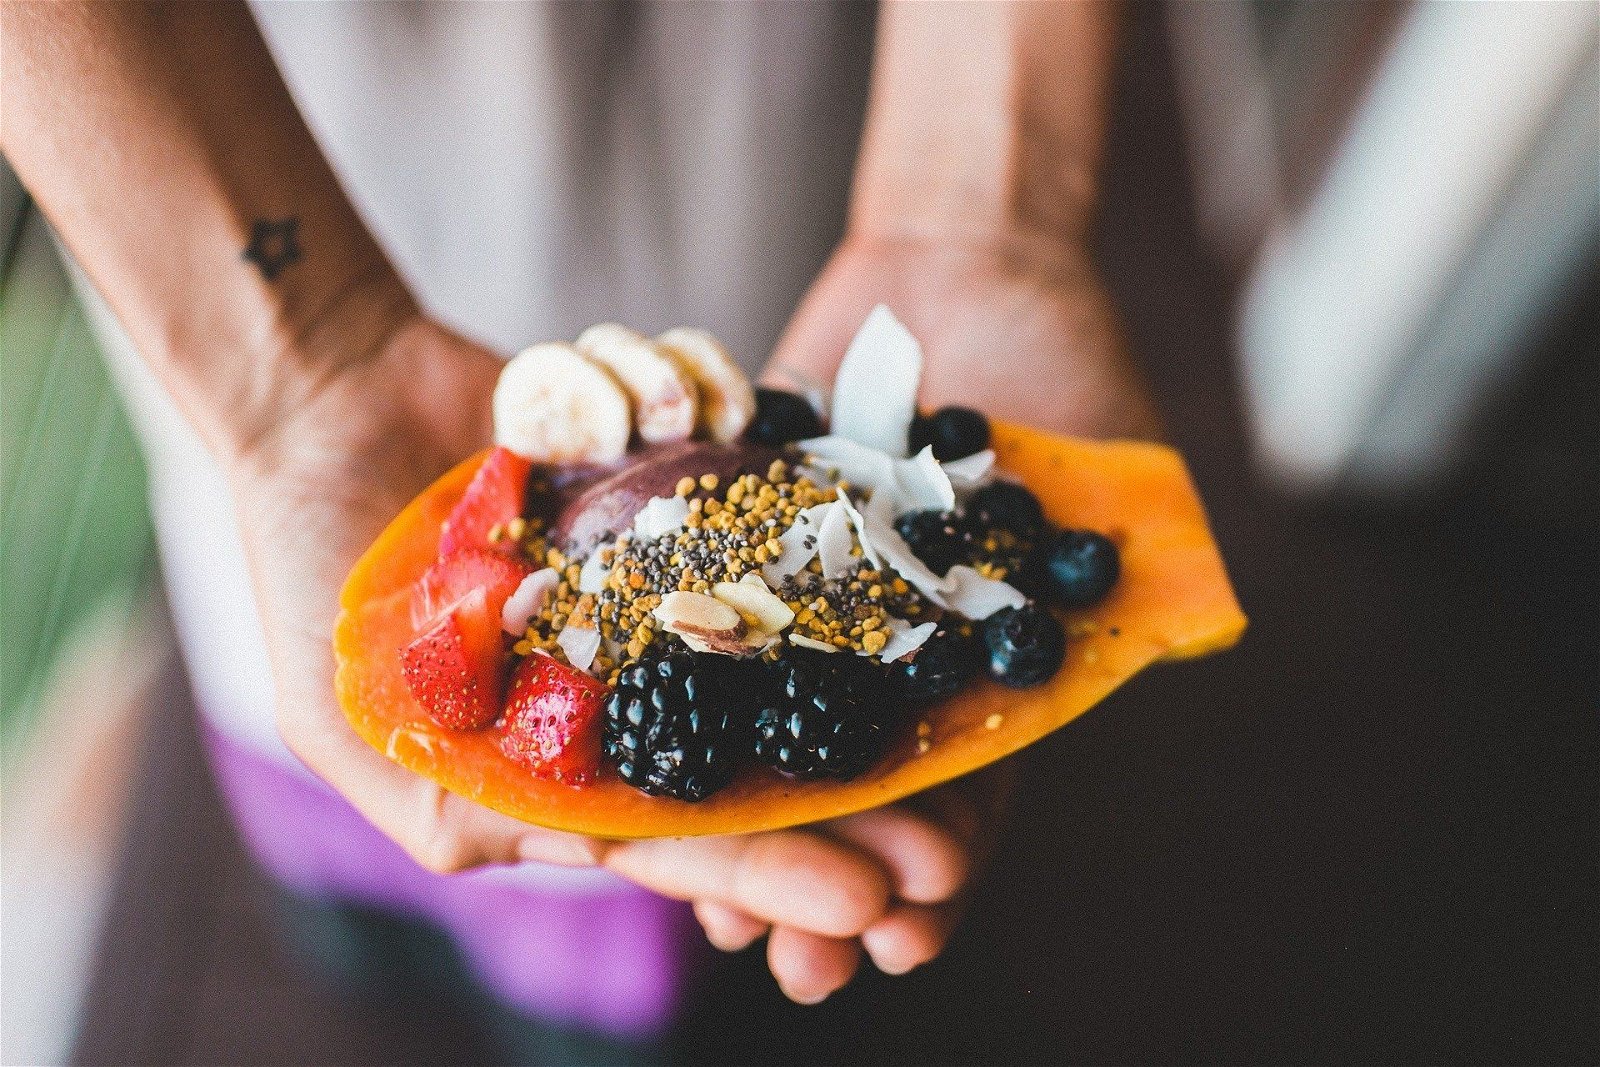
807 642
727 401
551 405
762 609
705 623
664 395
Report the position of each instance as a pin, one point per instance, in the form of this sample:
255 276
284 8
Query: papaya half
1172 601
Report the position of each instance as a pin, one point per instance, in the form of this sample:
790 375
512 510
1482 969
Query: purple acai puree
585 505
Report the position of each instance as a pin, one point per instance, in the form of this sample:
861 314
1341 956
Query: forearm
158 139
985 118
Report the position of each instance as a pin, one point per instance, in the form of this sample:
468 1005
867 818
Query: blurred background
1356 245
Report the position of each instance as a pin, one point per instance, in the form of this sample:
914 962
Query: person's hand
312 494
1022 331
1018 328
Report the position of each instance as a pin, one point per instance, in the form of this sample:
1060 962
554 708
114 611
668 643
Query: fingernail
899 968
807 1000
727 944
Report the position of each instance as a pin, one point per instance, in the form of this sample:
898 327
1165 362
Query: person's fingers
728 928
443 832
909 936
788 877
815 339
927 862
810 968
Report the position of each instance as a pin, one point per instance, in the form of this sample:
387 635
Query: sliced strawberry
454 576
456 670
493 498
553 717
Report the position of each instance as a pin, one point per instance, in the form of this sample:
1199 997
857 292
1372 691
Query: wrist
305 350
408 398
986 121
1000 202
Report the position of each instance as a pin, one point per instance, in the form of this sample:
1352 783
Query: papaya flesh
1173 601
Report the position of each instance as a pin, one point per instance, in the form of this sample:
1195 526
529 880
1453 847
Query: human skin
156 137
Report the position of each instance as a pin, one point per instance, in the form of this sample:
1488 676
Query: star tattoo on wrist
274 245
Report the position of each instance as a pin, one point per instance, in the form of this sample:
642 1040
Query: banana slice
553 405
727 402
664 396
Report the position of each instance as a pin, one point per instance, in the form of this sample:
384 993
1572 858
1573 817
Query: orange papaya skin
1173 601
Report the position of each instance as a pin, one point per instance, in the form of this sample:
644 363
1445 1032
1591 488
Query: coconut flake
528 600
661 515
805 642
970 473
875 390
580 643
799 543
834 541
592 575
971 594
904 638
863 467
921 484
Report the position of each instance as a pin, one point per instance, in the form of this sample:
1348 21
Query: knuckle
440 846
444 853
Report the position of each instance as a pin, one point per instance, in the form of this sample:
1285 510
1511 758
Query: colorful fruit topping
1080 568
662 392
1026 645
781 418
947 662
781 600
677 724
941 539
726 400
1008 506
952 432
455 669
493 500
452 577
827 717
553 404
553 720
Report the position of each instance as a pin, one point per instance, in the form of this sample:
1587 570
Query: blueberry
1026 645
1010 507
1080 567
939 538
782 417
953 432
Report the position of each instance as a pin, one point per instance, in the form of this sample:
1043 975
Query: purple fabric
603 955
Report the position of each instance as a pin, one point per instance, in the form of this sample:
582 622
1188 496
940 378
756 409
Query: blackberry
1080 567
676 725
954 433
940 539
1010 507
782 417
946 661
828 717
1026 645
